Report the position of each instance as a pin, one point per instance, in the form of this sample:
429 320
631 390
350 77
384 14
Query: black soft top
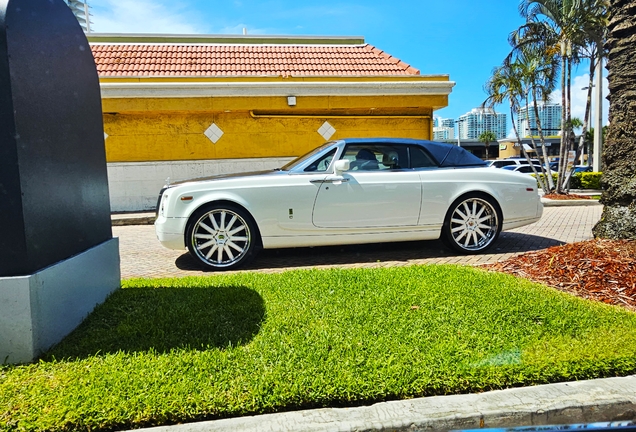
446 155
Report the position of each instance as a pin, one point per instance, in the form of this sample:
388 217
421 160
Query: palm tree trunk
562 153
570 131
588 103
619 175
540 176
545 166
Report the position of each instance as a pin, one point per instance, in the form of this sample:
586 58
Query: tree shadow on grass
162 319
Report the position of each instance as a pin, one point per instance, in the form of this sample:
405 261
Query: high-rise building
443 133
442 122
472 124
450 123
80 10
549 115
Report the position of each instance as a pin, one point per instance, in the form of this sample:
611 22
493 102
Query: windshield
298 161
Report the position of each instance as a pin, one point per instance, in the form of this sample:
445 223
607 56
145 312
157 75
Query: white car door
380 196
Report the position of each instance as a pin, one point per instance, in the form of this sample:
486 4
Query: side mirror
342 165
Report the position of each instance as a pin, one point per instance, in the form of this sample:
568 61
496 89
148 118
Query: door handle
330 180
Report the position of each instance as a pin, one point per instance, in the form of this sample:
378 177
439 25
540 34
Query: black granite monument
53 185
54 202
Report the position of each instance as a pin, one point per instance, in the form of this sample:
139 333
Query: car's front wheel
222 236
472 224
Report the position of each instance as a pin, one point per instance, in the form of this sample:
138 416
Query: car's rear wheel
222 237
472 224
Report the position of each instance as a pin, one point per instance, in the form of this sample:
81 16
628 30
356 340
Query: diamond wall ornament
214 133
326 130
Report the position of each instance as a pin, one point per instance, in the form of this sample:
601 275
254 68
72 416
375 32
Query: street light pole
598 117
588 144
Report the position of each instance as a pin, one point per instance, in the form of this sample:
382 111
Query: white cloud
144 16
159 16
579 97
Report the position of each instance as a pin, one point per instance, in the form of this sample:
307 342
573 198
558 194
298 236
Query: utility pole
598 116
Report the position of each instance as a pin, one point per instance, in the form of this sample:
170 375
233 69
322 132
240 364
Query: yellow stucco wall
156 129
180 136
508 151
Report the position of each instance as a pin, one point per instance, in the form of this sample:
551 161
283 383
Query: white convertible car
348 191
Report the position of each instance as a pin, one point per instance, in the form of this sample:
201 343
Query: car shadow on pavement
375 253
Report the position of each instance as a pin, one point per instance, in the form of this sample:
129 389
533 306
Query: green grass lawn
175 350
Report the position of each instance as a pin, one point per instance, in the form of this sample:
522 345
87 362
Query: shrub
586 180
554 178
575 181
591 180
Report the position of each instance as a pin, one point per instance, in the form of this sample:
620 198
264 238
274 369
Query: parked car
581 168
525 169
554 166
500 163
349 191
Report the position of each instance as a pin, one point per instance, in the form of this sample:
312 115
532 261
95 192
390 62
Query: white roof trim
247 89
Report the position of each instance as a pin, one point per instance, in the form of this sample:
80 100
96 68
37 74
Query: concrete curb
569 203
142 218
600 400
573 203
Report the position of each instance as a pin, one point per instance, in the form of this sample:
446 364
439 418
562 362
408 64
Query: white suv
500 163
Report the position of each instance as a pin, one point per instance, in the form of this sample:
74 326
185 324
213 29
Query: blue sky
465 39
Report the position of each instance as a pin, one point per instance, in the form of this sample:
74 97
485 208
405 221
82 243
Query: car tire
222 236
472 224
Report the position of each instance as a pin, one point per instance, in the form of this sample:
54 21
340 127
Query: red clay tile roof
139 60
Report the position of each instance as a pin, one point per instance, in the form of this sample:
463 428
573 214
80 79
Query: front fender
186 203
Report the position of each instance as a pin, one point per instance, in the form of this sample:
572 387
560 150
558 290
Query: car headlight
161 202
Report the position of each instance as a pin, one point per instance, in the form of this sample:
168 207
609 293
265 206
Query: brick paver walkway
143 256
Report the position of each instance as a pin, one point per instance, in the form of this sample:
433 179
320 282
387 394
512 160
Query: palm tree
538 70
563 29
487 137
619 182
559 28
506 83
595 30
535 70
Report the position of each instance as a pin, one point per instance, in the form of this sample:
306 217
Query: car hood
274 172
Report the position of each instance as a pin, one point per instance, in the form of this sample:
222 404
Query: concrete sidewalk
600 400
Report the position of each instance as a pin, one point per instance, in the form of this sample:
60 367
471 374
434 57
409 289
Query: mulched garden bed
602 270
554 196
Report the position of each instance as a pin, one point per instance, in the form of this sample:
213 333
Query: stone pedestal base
39 310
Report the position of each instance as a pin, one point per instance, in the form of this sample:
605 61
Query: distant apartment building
442 122
443 129
549 116
80 10
443 133
478 120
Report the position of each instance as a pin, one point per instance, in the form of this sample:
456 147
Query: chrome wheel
473 224
221 238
